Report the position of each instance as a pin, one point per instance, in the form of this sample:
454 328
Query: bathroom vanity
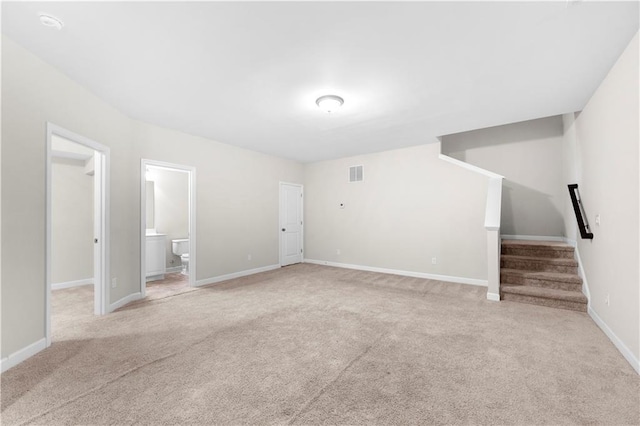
155 256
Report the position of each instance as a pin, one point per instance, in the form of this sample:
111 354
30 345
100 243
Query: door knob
283 229
95 240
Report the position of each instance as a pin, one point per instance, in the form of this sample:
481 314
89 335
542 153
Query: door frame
191 171
280 234
102 198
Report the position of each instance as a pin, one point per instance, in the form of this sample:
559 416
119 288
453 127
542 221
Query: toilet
181 248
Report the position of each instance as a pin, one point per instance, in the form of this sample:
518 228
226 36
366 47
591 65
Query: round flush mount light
51 21
329 103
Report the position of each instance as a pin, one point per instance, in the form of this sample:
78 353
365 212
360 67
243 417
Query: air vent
355 173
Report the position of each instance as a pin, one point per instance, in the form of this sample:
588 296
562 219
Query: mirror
150 205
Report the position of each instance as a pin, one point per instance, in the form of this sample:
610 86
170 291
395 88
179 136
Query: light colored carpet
311 344
173 283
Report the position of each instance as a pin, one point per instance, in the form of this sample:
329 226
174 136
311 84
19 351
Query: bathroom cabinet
155 257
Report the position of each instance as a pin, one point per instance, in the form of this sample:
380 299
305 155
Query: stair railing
578 208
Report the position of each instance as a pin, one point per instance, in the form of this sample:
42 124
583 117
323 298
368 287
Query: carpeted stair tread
543 275
546 260
545 293
557 245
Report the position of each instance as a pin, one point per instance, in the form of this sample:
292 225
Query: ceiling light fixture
329 103
51 21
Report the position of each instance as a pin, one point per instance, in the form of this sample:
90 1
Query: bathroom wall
171 208
72 222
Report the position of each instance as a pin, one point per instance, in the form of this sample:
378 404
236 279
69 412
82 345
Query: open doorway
76 253
168 245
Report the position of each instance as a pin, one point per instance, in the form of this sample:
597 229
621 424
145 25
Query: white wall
601 155
71 221
236 196
411 207
529 156
171 208
237 191
32 94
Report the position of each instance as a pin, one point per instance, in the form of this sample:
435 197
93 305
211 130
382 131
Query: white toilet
181 248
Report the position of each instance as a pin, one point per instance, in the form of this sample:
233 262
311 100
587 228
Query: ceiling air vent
355 174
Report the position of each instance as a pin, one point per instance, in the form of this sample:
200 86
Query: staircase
541 273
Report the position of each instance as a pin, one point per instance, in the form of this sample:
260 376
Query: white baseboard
448 278
127 299
493 297
233 275
581 274
69 284
532 238
624 350
174 269
21 355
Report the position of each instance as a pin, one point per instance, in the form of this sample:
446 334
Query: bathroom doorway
167 223
76 228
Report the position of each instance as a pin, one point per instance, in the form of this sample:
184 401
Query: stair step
555 280
537 249
567 266
553 298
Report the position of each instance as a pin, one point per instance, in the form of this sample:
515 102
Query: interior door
291 250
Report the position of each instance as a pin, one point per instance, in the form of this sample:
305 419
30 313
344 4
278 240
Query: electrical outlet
607 300
434 260
598 219
337 251
114 282
248 257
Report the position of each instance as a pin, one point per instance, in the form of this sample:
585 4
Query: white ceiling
248 74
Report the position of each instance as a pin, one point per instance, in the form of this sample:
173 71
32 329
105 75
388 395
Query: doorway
291 226
83 156
168 229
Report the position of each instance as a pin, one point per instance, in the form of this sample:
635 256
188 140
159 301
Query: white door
290 224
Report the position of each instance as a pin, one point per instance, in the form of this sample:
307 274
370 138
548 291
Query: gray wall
71 221
602 157
411 207
529 156
237 191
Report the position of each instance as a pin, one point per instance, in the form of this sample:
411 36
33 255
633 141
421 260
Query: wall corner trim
220 278
127 299
494 297
22 354
447 278
624 350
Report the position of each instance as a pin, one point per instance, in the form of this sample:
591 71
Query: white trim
69 284
70 155
469 166
101 295
493 207
127 299
493 297
233 275
532 238
173 269
581 274
448 278
619 344
191 171
23 354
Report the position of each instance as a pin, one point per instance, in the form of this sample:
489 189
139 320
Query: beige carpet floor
173 283
311 344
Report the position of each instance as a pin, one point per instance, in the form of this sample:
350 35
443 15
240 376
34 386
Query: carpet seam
126 373
97 388
322 390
